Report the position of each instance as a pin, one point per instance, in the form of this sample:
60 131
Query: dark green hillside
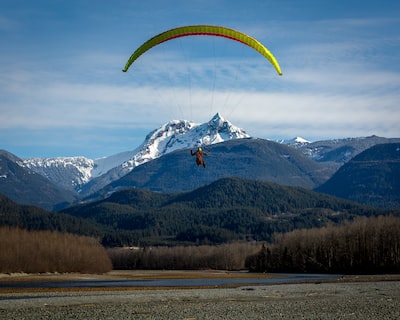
226 210
371 178
139 199
34 218
268 197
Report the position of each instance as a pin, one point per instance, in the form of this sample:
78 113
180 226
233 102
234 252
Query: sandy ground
351 297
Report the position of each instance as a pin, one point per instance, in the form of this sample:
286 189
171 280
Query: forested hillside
34 218
229 209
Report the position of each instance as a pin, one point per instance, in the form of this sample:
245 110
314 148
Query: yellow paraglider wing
204 30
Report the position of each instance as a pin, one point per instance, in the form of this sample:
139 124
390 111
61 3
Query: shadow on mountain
371 178
256 159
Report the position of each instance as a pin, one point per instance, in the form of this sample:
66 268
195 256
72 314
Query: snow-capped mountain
296 142
25 186
340 151
85 175
182 134
74 172
68 172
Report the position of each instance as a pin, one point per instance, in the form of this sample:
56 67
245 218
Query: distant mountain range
249 158
25 186
372 177
339 151
75 172
163 163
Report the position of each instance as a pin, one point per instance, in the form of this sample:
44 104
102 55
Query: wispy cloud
326 98
341 76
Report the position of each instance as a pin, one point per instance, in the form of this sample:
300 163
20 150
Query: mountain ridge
250 158
25 186
84 176
75 172
372 177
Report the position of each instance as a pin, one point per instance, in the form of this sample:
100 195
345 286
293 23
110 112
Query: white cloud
328 99
340 78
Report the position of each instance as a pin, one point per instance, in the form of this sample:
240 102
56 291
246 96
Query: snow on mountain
181 134
73 172
295 142
68 172
103 165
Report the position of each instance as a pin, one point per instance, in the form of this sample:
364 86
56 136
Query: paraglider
199 156
203 30
206 30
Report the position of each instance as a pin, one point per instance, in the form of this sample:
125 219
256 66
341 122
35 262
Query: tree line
230 256
365 245
50 251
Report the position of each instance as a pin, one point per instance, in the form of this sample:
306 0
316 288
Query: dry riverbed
350 297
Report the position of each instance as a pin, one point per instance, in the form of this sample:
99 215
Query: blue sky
62 91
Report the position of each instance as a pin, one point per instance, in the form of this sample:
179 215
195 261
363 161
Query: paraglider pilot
199 156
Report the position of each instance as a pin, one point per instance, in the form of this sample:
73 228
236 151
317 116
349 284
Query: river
230 280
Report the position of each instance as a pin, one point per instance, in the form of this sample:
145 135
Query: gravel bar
362 300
